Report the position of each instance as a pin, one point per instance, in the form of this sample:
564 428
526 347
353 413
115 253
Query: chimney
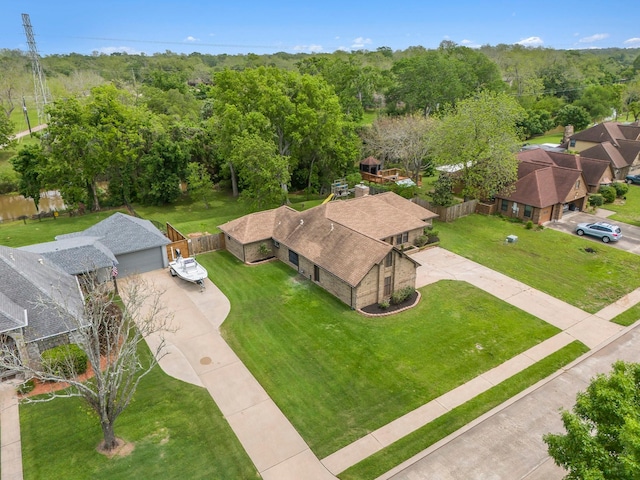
568 131
361 190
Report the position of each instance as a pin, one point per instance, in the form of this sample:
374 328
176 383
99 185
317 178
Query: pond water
13 207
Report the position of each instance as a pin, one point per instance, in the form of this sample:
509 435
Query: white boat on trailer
188 269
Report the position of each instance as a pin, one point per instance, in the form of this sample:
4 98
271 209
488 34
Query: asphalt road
630 240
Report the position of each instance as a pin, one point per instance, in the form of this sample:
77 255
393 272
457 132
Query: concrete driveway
630 234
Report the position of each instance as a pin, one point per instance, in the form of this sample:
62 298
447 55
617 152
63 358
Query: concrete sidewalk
199 355
10 446
438 264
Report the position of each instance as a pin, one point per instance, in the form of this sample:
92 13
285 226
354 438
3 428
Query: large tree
401 139
89 138
432 79
110 331
30 163
480 137
298 114
6 131
602 439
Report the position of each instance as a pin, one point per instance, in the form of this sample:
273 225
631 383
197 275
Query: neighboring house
137 244
545 189
354 248
40 304
617 143
78 256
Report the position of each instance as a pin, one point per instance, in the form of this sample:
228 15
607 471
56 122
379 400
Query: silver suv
605 231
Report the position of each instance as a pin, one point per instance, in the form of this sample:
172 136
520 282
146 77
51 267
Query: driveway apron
199 355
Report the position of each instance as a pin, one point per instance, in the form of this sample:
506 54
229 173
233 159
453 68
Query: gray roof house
138 246
32 290
77 255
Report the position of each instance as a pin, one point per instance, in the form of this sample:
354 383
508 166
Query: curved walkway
198 354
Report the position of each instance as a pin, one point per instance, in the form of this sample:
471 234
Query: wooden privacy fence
449 214
194 245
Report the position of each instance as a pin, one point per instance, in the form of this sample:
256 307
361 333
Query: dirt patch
197 234
122 449
51 387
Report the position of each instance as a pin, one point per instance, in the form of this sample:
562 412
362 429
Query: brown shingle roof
370 161
603 132
630 132
606 151
541 182
343 237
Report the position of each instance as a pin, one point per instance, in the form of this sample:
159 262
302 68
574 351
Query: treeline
131 128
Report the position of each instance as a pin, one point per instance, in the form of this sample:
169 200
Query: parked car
633 179
605 231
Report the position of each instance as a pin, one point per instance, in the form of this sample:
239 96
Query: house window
572 143
388 261
402 238
577 184
528 210
293 257
276 244
316 273
387 286
504 205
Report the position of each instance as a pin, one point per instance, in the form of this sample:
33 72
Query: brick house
550 183
617 143
354 249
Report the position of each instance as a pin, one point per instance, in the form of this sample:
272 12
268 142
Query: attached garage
137 244
141 261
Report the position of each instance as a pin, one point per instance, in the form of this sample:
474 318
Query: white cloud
190 39
308 48
127 50
632 42
531 42
470 44
360 42
594 38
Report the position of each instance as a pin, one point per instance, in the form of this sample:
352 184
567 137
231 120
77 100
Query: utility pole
42 95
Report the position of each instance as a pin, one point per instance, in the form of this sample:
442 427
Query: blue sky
237 26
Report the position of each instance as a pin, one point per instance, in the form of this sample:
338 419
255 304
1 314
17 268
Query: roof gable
75 255
36 285
606 151
122 234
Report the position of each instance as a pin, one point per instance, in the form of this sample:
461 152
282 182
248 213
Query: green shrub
65 360
528 225
608 193
401 295
26 387
422 240
596 200
384 304
621 188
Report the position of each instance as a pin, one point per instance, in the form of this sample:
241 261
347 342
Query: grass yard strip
628 209
176 427
628 317
338 375
448 423
548 260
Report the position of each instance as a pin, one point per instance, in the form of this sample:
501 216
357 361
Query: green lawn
627 210
187 216
412 444
177 430
547 260
338 375
628 317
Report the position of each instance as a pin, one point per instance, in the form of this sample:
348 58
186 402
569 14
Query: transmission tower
42 95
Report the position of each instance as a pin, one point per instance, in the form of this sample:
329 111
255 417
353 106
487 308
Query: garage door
140 262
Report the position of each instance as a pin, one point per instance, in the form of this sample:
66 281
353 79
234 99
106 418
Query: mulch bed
376 310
